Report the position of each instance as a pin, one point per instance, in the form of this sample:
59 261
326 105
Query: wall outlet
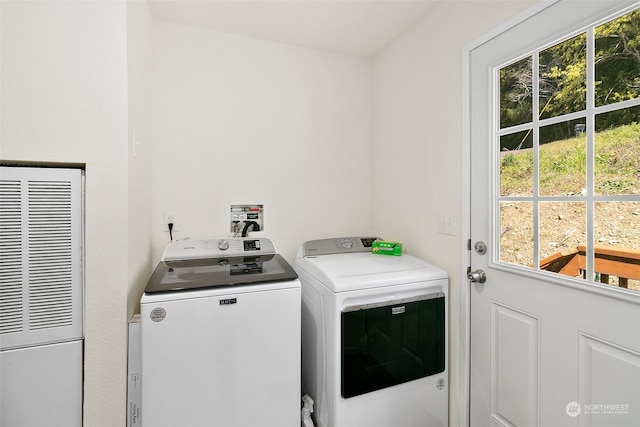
170 217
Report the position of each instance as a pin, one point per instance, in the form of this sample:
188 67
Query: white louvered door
41 296
40 256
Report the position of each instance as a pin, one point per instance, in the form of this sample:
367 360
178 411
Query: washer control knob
223 245
347 243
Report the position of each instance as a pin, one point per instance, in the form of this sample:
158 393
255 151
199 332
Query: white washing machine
220 333
374 336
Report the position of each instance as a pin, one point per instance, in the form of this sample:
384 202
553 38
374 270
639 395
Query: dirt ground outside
563 229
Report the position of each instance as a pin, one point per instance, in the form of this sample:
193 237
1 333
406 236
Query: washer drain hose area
245 230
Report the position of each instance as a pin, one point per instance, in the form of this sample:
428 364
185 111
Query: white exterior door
550 347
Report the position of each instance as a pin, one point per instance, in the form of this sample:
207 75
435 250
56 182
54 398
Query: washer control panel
213 248
340 245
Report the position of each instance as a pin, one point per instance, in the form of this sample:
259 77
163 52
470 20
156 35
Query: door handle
478 276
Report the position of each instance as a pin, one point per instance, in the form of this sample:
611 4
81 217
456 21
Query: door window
568 185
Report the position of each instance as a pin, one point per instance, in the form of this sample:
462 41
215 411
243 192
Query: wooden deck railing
608 261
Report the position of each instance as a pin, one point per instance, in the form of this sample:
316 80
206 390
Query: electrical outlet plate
170 217
240 215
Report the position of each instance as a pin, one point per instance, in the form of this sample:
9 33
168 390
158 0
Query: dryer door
385 344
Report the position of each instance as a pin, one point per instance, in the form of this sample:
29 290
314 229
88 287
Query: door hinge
468 270
468 244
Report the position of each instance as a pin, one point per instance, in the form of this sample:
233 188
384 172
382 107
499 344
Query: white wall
417 141
139 62
64 99
238 120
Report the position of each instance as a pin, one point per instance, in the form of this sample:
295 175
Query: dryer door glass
385 345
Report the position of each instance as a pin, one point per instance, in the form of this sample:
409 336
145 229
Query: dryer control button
223 245
347 243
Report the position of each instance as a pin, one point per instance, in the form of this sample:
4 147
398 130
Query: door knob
478 276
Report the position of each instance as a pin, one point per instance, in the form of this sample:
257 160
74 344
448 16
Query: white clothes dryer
374 336
220 332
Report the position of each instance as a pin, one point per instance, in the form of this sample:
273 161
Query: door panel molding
515 383
600 395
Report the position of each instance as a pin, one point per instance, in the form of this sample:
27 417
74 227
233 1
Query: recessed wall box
246 218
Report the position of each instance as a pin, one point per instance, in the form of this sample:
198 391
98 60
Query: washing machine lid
219 263
362 269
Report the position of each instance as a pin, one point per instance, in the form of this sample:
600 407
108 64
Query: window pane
563 82
516 93
562 229
617 153
516 233
562 159
617 59
617 243
516 164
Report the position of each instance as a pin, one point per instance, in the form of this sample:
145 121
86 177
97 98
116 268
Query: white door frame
465 293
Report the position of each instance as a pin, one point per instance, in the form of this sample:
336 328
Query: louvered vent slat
11 298
50 254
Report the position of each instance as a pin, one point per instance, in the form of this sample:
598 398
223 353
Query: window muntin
569 177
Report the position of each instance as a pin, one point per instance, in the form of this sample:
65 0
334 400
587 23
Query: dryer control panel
340 245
